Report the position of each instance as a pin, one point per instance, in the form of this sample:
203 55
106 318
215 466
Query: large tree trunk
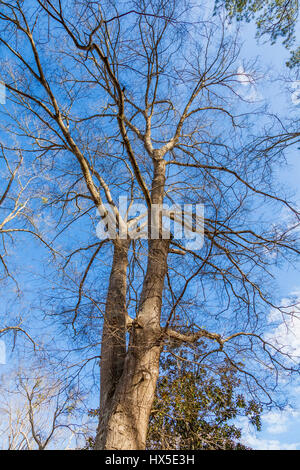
124 416
113 346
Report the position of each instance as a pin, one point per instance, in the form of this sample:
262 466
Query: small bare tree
37 411
18 193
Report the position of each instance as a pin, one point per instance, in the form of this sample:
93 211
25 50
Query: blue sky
281 429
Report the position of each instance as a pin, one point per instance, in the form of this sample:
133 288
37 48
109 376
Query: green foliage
294 59
194 409
274 18
89 443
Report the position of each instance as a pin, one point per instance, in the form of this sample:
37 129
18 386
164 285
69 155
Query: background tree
274 19
38 411
17 195
195 408
143 99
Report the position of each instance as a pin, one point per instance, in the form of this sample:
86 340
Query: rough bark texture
113 349
126 401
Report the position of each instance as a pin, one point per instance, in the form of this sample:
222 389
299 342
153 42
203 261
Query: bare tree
37 411
274 19
16 219
13 203
142 99
19 192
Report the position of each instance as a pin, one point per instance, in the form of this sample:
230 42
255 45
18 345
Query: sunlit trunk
126 399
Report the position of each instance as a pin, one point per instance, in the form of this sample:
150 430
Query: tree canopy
274 19
195 409
155 206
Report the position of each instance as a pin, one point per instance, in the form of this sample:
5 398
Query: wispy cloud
286 332
247 82
244 78
278 422
257 442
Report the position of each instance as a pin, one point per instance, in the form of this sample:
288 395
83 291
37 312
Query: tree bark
113 346
124 416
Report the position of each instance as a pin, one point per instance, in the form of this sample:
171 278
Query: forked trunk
128 379
124 418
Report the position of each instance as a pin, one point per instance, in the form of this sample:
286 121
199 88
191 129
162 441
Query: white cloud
253 96
278 422
296 94
244 78
286 334
254 441
270 444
